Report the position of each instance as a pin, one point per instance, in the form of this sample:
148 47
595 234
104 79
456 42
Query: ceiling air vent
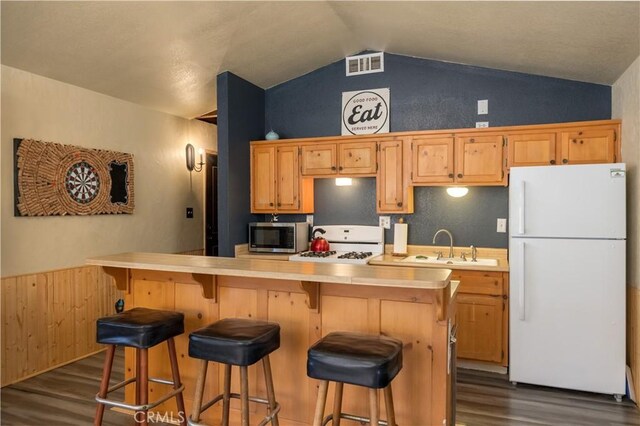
365 64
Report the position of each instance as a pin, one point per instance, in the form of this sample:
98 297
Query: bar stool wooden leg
200 382
388 402
337 404
104 384
144 385
244 394
271 395
226 396
373 407
175 373
322 400
137 398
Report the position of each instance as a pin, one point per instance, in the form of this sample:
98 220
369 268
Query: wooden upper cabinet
390 187
588 146
357 158
263 181
535 149
287 182
432 160
479 160
319 160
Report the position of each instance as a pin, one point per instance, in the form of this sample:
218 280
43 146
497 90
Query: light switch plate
310 219
483 106
385 222
502 225
481 124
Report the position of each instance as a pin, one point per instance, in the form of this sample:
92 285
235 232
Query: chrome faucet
474 254
450 240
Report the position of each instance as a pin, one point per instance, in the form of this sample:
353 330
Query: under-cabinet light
344 182
457 191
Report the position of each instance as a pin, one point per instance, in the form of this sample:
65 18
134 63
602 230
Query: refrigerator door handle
521 313
521 206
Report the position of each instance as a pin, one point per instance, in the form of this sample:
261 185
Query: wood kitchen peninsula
308 300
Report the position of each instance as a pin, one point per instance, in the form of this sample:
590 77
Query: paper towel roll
400 231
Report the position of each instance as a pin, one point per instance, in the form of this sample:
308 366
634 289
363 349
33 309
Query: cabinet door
480 327
287 184
432 160
389 181
588 146
358 158
479 160
531 150
319 160
263 187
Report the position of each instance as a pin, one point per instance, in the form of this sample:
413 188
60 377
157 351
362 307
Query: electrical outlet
189 212
483 106
502 225
385 222
481 124
310 219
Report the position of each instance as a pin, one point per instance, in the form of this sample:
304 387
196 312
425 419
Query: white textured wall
48 110
626 106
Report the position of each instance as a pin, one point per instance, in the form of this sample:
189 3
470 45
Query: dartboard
82 182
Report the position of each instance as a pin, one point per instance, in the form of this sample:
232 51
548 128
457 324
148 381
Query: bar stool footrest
144 407
354 418
219 398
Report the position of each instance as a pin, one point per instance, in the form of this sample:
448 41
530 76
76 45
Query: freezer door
567 313
582 201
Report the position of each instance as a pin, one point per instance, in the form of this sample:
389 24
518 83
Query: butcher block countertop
384 276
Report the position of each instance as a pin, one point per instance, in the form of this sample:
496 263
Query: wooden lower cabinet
483 316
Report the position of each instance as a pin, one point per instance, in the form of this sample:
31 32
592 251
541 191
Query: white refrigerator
567 249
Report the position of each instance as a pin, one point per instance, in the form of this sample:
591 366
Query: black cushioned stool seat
240 342
139 327
235 341
371 361
357 359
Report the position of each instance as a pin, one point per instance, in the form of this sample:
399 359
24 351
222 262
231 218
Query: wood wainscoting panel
633 335
49 319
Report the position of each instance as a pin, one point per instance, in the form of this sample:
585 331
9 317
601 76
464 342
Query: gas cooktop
349 244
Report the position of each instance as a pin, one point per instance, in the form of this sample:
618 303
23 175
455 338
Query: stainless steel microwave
278 237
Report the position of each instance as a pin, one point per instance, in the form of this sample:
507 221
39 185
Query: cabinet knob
279 204
472 140
459 175
451 175
552 161
400 204
565 161
333 168
340 168
581 141
271 204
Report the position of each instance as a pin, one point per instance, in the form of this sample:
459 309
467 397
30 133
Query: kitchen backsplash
471 219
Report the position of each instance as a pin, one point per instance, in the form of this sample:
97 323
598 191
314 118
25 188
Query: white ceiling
166 55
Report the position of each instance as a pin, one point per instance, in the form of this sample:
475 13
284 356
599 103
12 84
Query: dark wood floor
65 397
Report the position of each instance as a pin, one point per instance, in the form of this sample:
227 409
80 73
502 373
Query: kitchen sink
448 261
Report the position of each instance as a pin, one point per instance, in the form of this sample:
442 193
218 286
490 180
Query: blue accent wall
425 95
240 119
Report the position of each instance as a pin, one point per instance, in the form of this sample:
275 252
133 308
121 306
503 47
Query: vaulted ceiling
166 55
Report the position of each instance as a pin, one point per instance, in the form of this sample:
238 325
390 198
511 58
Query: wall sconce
344 182
457 191
191 158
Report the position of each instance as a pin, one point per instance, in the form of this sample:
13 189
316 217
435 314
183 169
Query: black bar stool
357 359
142 329
241 342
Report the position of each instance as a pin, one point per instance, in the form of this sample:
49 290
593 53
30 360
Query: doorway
211 205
